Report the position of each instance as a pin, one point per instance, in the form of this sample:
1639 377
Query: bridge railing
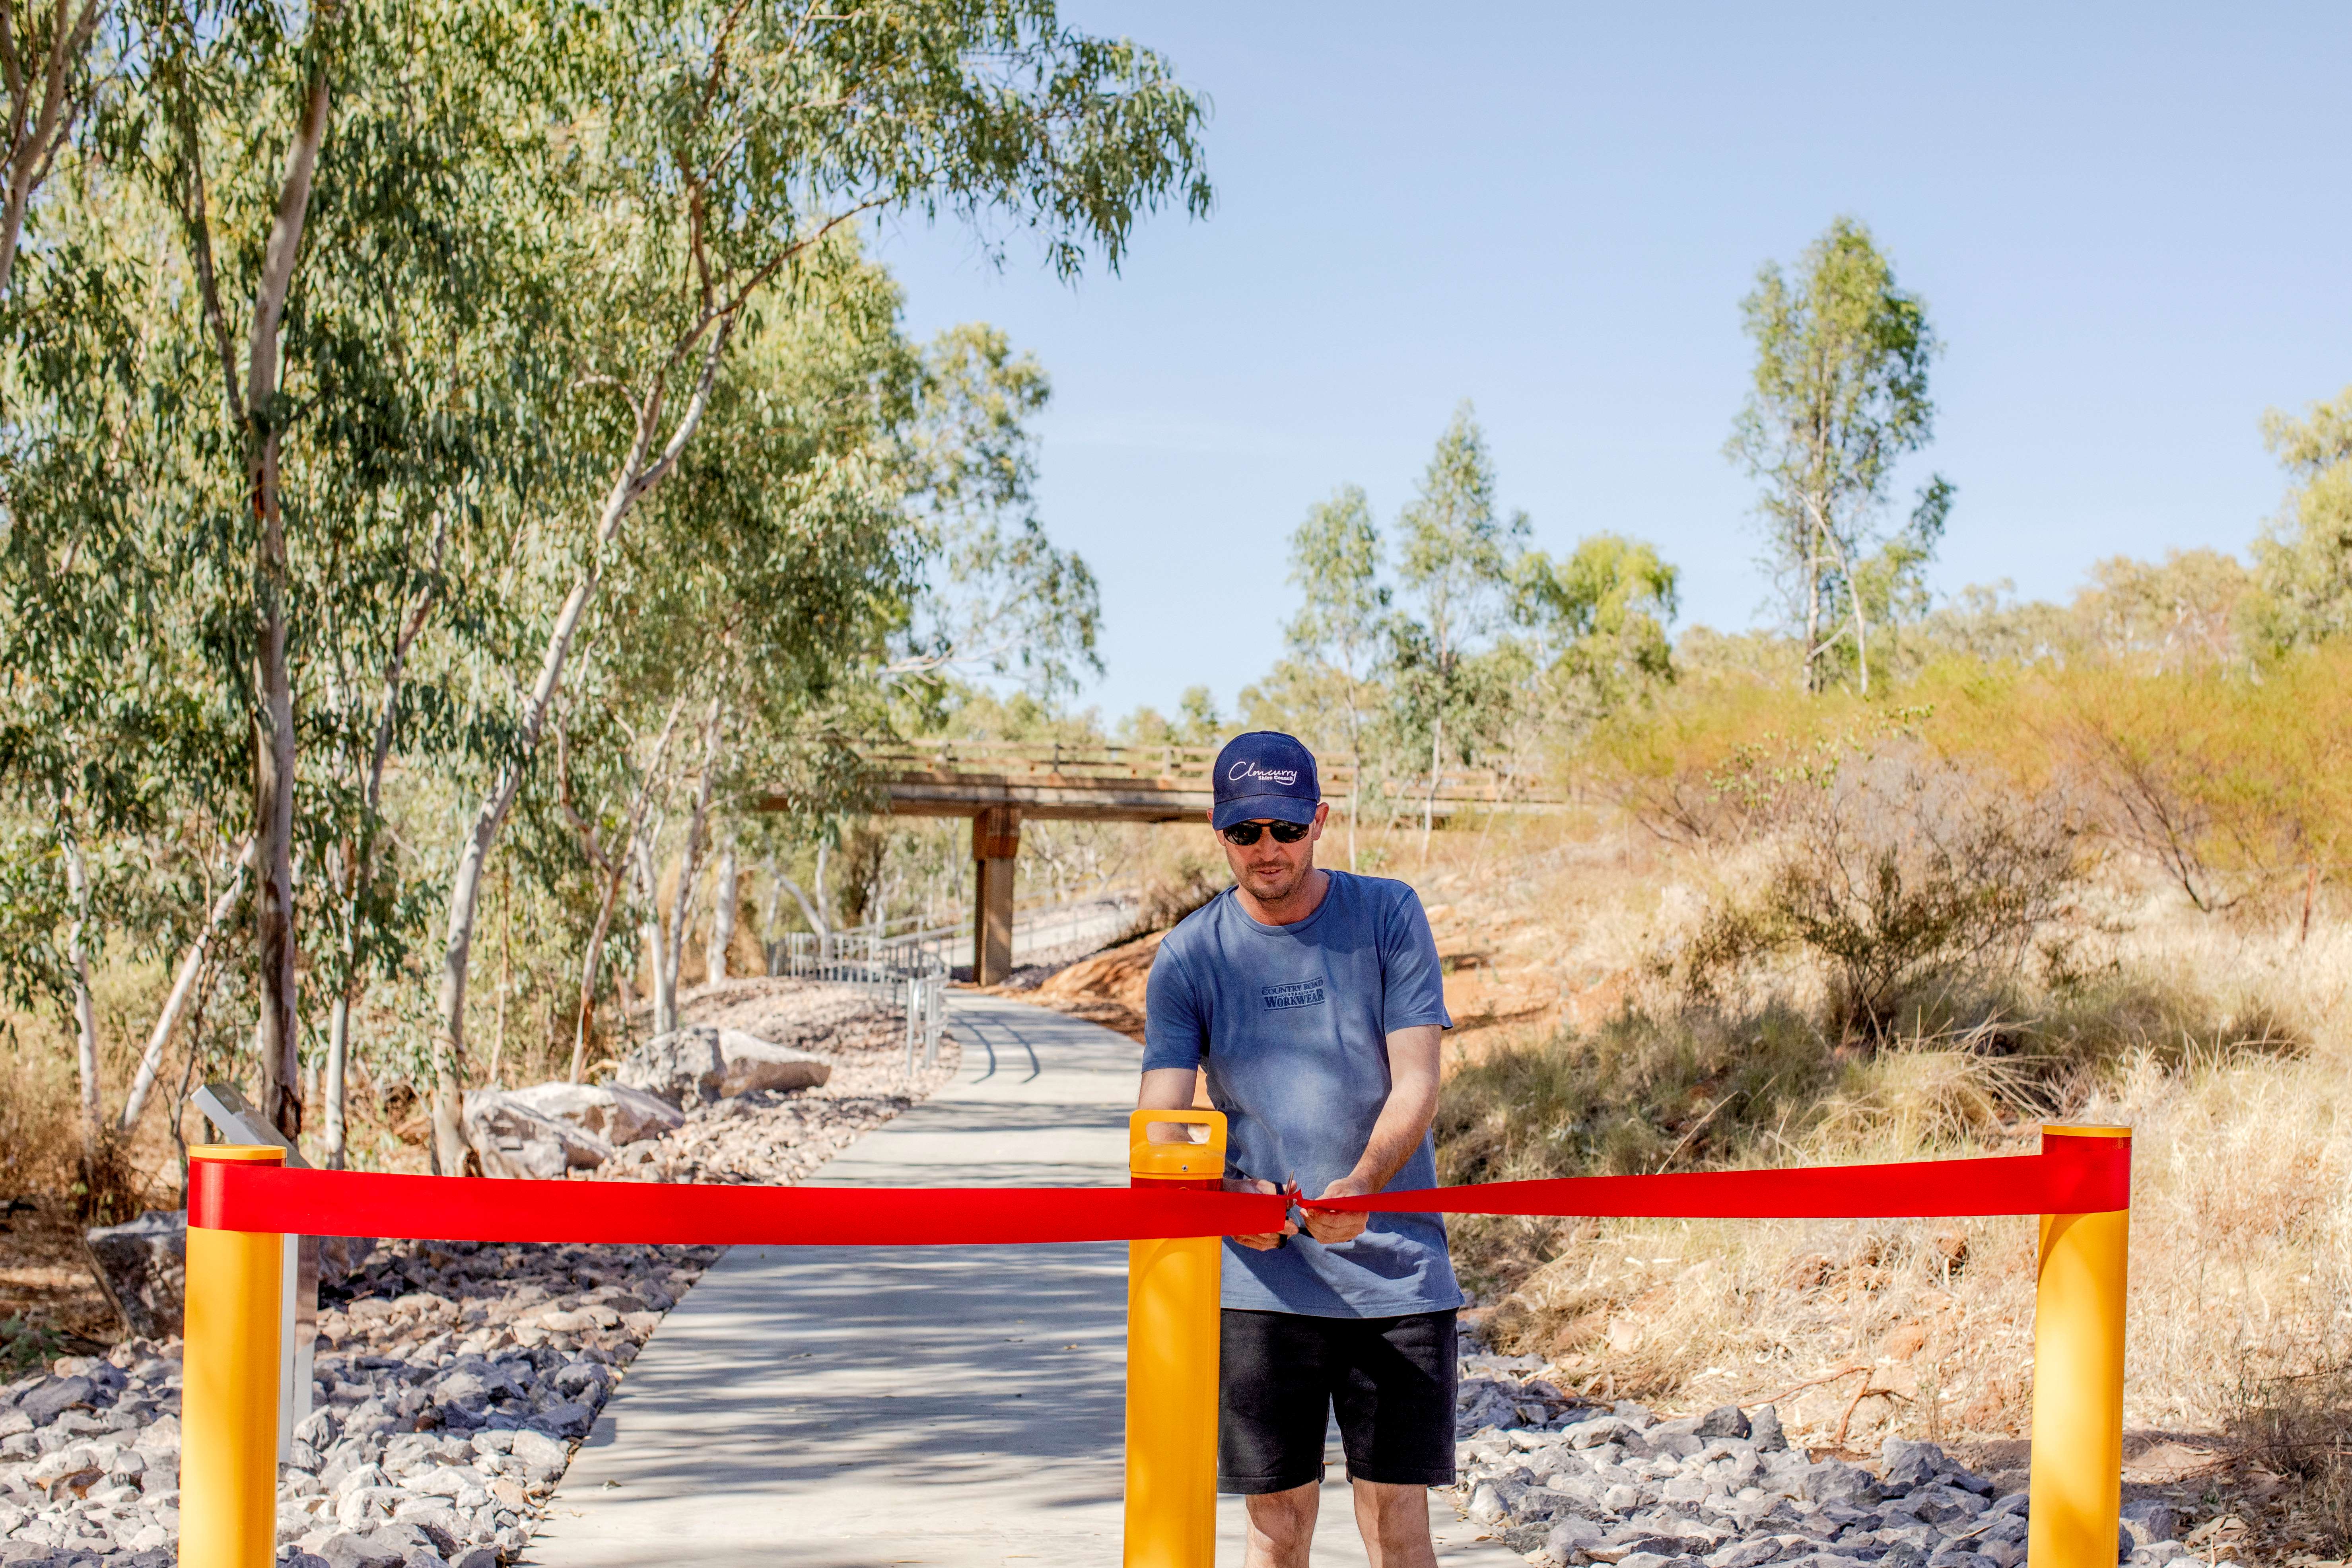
1187 767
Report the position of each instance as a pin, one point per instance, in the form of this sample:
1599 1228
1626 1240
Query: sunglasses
1242 835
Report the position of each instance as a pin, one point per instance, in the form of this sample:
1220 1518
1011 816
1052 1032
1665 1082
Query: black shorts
1282 1374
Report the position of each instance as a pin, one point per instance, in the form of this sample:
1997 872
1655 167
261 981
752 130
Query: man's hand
1339 1229
1271 1240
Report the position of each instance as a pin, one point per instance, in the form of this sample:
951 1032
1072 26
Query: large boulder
699 1063
683 1067
512 1138
754 1063
613 1112
144 1266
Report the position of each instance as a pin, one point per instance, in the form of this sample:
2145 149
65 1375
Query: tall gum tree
1839 396
1455 557
747 133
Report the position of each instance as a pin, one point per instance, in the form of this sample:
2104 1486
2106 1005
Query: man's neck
1292 907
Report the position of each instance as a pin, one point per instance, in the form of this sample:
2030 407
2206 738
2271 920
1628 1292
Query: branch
182 986
286 237
198 223
393 666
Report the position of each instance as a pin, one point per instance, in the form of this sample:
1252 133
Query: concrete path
850 1408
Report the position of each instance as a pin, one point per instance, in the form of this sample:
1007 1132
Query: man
1311 1002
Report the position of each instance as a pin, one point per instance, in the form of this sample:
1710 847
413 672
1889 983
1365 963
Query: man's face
1271 871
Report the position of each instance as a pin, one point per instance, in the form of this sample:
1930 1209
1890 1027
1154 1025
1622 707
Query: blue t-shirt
1291 1024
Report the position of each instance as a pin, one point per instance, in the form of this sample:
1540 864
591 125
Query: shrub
1892 869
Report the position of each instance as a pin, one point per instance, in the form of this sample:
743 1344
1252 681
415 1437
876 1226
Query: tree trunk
629 486
450 1038
817 911
649 886
183 984
273 726
690 867
93 1127
1812 671
361 854
339 1057
615 868
723 895
273 827
1429 800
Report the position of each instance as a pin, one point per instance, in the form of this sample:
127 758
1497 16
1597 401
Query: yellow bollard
228 1400
1171 1359
2077 1481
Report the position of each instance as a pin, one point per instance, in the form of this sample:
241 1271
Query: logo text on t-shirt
1297 994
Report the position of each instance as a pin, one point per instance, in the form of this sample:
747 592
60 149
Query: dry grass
2225 1042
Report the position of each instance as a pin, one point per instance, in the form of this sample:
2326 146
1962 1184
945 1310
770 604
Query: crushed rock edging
1565 1482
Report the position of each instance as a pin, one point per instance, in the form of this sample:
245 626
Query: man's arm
1171 1089
1403 1122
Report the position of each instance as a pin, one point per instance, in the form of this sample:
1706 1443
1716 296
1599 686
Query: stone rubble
452 1380
1566 1481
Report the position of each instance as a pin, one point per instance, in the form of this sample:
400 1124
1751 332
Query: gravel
452 1379
1566 1481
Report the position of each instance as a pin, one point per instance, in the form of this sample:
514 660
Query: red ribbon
2072 1174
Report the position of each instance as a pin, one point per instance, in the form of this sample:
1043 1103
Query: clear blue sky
2129 225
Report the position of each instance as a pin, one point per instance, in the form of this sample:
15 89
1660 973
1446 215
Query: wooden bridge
998 783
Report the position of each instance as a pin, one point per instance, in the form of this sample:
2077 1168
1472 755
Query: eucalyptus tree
50 82
2304 560
1455 554
721 144
1343 621
997 595
1599 619
1839 396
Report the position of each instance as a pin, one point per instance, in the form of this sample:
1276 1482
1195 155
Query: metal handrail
908 974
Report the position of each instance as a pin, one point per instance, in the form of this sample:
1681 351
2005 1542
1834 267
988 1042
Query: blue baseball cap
1268 775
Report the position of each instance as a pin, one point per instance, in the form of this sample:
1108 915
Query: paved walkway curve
853 1407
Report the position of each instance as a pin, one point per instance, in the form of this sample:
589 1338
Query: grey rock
1834 1480
1723 1421
2004 1527
345 1549
476 1557
144 1267
613 1112
1764 1430
568 1419
2155 1554
2150 1521
1569 1536
1630 1411
1933 1504
304 1559
341 1256
683 1067
1748 1553
1607 1429
754 1064
55 1397
514 1141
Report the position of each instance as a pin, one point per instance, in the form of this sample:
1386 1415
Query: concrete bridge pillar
996 843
